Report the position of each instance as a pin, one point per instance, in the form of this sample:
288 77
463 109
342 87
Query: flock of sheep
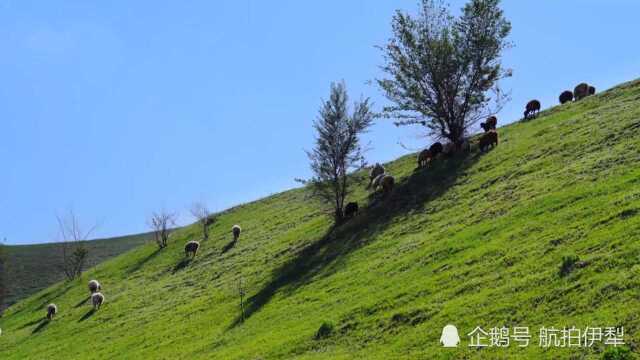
97 299
580 92
191 247
382 181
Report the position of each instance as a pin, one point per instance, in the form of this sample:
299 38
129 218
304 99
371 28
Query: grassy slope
472 241
31 268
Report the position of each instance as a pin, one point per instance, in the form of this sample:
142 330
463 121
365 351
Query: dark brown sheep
351 210
592 90
436 148
191 248
532 109
424 158
388 182
52 310
490 124
581 91
566 97
488 140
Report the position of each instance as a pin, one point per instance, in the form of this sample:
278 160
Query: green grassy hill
31 268
476 240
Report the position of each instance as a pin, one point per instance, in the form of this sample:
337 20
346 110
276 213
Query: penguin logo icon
449 336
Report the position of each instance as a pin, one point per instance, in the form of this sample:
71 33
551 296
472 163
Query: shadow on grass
31 323
142 262
87 315
412 193
182 264
43 324
84 301
229 246
55 293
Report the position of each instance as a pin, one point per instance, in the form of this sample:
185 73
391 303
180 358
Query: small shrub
325 330
568 264
617 353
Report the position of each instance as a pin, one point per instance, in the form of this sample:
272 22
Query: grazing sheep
581 91
487 140
377 182
490 124
387 184
94 286
426 155
424 158
351 210
533 107
236 232
52 310
376 171
592 90
97 299
566 97
191 248
436 149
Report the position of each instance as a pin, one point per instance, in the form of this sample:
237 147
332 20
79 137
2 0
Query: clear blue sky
117 108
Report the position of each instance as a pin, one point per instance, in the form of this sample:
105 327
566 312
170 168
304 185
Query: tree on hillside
73 247
338 150
200 211
162 222
443 72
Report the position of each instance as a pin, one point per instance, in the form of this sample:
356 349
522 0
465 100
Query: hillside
477 240
31 268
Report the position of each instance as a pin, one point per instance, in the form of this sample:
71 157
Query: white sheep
97 299
94 286
236 230
52 310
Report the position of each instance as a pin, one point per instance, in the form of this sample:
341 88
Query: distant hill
541 231
31 268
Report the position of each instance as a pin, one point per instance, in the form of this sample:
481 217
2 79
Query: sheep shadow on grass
230 245
182 264
87 315
43 324
83 302
325 255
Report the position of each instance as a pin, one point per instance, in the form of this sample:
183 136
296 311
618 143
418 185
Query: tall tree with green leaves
443 72
338 150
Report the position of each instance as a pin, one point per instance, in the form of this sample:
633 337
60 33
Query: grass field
476 240
31 268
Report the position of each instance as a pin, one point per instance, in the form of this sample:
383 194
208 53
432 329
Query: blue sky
118 108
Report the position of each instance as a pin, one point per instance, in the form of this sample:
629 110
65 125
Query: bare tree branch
162 223
200 211
73 244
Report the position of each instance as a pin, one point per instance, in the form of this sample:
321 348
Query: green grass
31 268
476 240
